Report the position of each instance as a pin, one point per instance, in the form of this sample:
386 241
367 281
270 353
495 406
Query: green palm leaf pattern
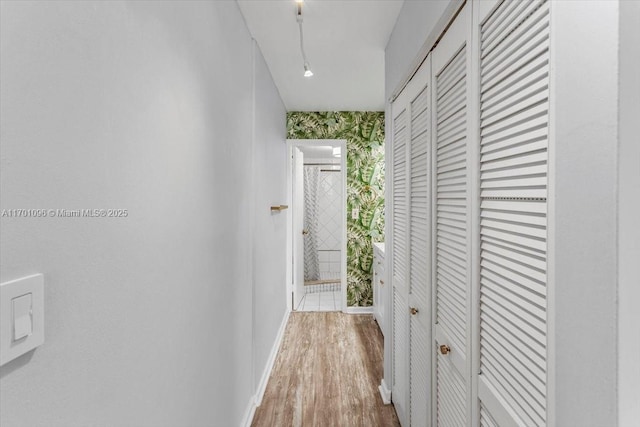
364 132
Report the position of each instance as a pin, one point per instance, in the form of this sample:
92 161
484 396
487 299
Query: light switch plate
22 316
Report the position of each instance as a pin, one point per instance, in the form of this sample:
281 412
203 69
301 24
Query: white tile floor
321 301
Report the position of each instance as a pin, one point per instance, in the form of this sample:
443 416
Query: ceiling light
307 70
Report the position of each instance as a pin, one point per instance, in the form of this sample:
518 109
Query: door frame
342 143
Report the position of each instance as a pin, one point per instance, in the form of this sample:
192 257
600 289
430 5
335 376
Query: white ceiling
344 42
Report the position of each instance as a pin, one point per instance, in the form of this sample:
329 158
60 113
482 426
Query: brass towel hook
279 208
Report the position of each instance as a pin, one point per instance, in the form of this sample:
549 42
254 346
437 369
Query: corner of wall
628 208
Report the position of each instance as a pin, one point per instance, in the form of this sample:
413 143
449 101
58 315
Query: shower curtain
311 188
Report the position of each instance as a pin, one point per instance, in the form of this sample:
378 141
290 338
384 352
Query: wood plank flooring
327 373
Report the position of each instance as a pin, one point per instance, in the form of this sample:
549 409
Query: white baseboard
262 386
256 400
385 393
249 413
358 310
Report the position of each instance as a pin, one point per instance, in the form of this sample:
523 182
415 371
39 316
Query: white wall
270 237
415 22
144 106
629 207
583 220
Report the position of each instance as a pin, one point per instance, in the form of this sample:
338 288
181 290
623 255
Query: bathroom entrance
318 225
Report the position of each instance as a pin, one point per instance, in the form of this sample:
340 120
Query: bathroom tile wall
330 224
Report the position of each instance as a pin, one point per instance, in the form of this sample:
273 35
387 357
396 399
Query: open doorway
317 225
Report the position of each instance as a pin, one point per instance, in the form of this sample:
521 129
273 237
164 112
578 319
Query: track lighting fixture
307 68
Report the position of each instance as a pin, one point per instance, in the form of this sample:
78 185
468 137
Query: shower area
322 232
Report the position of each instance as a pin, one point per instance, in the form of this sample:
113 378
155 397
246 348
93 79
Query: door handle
414 311
305 232
381 282
445 349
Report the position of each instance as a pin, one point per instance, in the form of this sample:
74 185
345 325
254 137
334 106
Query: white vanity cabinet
378 285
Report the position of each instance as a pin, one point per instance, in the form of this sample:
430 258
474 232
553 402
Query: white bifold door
411 234
398 260
514 120
451 226
468 211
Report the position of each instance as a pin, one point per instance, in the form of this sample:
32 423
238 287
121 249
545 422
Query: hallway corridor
327 374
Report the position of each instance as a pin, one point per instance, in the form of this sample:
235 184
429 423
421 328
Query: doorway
317 237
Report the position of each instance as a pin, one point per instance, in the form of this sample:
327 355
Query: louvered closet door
419 245
399 255
452 226
514 66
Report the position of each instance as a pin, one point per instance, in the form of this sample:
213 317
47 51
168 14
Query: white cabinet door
514 119
452 233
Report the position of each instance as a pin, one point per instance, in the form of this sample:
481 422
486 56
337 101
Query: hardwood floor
327 373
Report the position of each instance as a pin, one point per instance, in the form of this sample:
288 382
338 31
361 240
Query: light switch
22 316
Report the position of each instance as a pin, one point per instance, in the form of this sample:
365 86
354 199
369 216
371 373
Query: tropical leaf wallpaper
364 132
